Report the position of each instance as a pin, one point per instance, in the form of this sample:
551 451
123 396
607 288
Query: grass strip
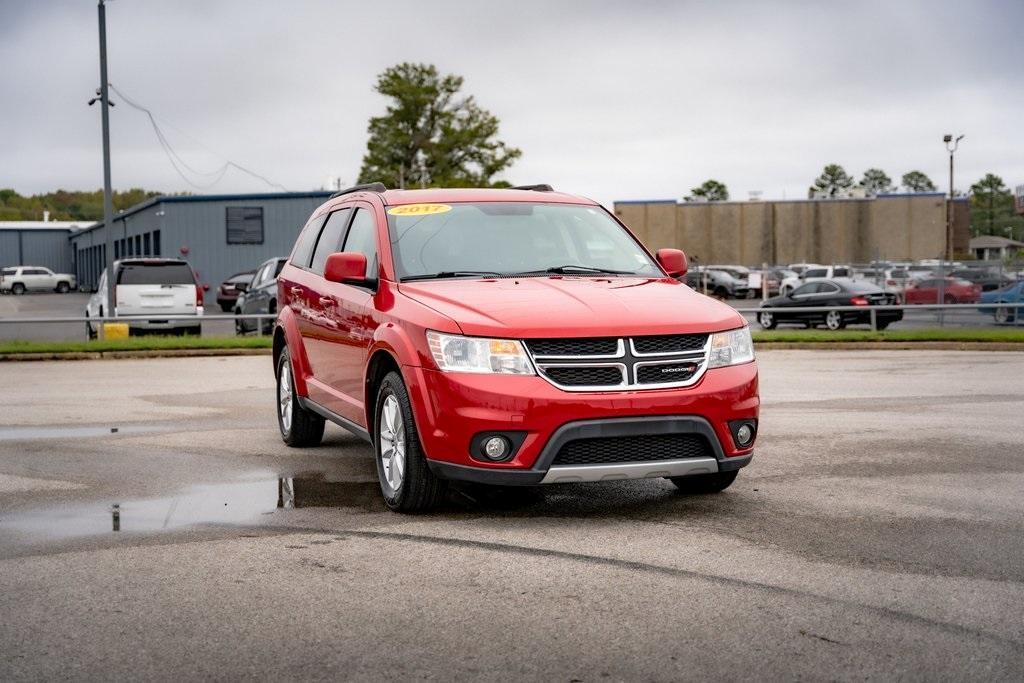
145 343
1012 336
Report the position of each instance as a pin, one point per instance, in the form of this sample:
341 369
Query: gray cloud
611 100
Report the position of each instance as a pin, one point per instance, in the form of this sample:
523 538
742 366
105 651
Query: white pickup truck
146 291
21 279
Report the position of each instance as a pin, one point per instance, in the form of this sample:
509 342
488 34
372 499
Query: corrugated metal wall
36 247
195 229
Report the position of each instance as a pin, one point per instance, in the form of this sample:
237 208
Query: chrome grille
598 346
615 364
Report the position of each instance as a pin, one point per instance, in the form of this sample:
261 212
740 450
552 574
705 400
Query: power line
178 163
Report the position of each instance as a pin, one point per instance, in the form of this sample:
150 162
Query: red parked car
507 336
948 290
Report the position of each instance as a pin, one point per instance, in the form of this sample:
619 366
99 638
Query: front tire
63 288
406 481
767 320
700 484
1003 316
300 428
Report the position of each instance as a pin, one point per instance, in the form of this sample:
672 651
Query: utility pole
108 200
951 146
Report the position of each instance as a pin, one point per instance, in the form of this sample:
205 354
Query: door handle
327 301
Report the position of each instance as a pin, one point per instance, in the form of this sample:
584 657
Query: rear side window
303 250
843 272
362 239
330 239
815 272
155 274
8 271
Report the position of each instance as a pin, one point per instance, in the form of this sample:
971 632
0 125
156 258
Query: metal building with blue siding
38 243
218 235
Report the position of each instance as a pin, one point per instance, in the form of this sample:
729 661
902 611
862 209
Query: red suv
507 336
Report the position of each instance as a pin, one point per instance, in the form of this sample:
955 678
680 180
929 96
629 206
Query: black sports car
834 292
259 296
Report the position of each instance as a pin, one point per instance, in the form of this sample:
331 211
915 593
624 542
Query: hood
558 306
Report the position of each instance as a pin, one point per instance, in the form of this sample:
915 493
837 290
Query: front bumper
452 408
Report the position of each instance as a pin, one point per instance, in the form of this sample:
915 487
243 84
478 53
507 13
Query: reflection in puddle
235 503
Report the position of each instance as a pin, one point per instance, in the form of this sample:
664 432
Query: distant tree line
66 205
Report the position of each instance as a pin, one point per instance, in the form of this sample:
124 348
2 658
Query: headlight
731 348
453 353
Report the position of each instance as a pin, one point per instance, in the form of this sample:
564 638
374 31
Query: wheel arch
286 333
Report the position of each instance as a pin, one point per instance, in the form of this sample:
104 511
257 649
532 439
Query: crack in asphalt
635 565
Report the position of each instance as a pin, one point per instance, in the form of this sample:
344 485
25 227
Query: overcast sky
616 100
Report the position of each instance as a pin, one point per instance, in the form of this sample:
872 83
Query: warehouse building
887 227
219 235
38 243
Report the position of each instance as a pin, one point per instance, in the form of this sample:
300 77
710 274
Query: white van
145 290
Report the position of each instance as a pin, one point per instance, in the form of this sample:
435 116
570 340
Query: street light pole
951 146
108 200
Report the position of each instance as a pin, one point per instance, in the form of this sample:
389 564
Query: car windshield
169 273
503 238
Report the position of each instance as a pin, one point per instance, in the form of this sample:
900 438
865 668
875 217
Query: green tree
916 181
710 191
992 210
876 182
832 181
65 205
430 135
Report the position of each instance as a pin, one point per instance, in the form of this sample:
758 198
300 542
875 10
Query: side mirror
346 267
242 286
673 261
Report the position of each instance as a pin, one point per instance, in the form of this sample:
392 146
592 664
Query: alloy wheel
285 398
1002 315
767 320
392 442
834 320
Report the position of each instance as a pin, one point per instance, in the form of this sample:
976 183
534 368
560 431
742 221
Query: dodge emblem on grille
684 368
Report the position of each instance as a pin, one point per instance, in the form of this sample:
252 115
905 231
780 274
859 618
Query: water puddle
240 503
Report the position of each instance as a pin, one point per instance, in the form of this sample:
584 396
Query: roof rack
366 187
542 187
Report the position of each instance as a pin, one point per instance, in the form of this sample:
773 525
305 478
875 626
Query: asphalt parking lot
73 304
878 534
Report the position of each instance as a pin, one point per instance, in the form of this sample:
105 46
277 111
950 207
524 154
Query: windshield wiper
570 269
444 274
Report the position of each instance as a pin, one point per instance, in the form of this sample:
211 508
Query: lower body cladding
555 436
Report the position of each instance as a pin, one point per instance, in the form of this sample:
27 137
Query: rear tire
949 299
705 483
300 428
767 320
834 321
406 481
17 288
882 326
1003 316
226 308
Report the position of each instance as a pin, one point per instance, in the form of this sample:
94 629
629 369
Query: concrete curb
760 346
118 355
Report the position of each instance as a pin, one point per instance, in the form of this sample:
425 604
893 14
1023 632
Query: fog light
744 434
496 447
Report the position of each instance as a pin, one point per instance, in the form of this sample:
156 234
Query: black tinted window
362 239
278 266
155 274
816 272
330 239
806 289
303 250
